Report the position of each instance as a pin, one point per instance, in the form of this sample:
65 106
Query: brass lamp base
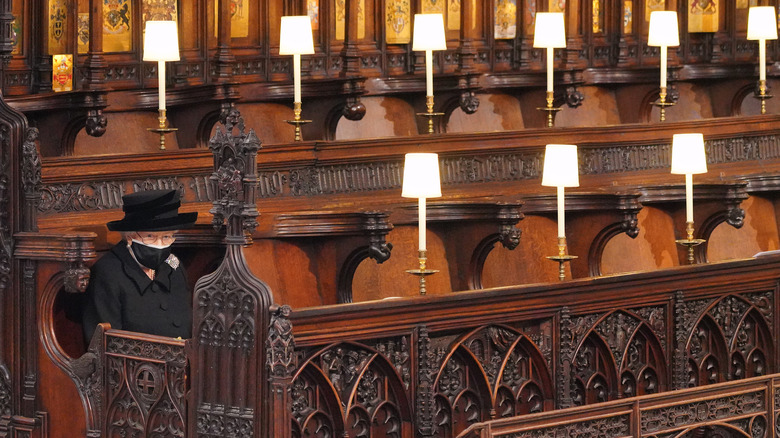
762 94
297 122
162 128
550 110
429 113
662 103
562 258
689 242
422 271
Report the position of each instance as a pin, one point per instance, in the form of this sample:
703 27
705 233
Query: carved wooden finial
235 175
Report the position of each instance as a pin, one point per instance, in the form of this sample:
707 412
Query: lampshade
295 36
161 41
428 32
762 24
688 155
421 176
560 166
549 30
663 29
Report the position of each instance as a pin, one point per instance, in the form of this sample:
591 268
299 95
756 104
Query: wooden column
39 36
350 52
466 51
224 58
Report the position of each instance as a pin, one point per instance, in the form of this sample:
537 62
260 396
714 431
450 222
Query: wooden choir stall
306 320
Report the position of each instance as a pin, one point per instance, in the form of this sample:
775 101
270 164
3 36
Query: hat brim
182 220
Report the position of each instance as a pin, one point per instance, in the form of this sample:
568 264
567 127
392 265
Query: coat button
164 306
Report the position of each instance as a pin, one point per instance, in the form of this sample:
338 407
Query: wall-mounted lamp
688 158
421 180
663 33
428 35
161 44
549 33
296 39
762 26
561 170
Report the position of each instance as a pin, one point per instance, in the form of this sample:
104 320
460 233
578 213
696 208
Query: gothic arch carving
595 375
643 369
619 354
730 340
360 390
492 371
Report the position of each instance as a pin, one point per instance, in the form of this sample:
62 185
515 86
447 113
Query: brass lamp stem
662 98
762 94
429 114
662 103
162 127
562 258
296 121
549 109
422 271
689 242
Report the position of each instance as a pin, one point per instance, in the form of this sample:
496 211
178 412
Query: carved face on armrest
76 280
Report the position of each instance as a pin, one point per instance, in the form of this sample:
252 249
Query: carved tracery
492 371
621 356
352 389
730 341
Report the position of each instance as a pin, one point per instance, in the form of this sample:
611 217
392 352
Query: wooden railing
747 407
433 366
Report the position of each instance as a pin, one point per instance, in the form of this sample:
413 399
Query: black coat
121 294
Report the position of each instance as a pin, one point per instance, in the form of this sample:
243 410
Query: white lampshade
421 176
549 30
295 36
428 32
161 41
762 24
663 29
688 156
560 166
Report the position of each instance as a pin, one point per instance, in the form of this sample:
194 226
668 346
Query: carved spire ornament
231 306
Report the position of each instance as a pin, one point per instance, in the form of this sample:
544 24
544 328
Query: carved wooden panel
146 387
731 338
354 390
619 354
489 372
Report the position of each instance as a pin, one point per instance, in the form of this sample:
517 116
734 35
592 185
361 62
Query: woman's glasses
156 238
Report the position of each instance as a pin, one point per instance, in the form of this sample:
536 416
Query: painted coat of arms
506 19
397 15
58 18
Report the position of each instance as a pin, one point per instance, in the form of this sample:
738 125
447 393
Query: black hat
152 210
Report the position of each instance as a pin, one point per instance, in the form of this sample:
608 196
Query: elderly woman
139 285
